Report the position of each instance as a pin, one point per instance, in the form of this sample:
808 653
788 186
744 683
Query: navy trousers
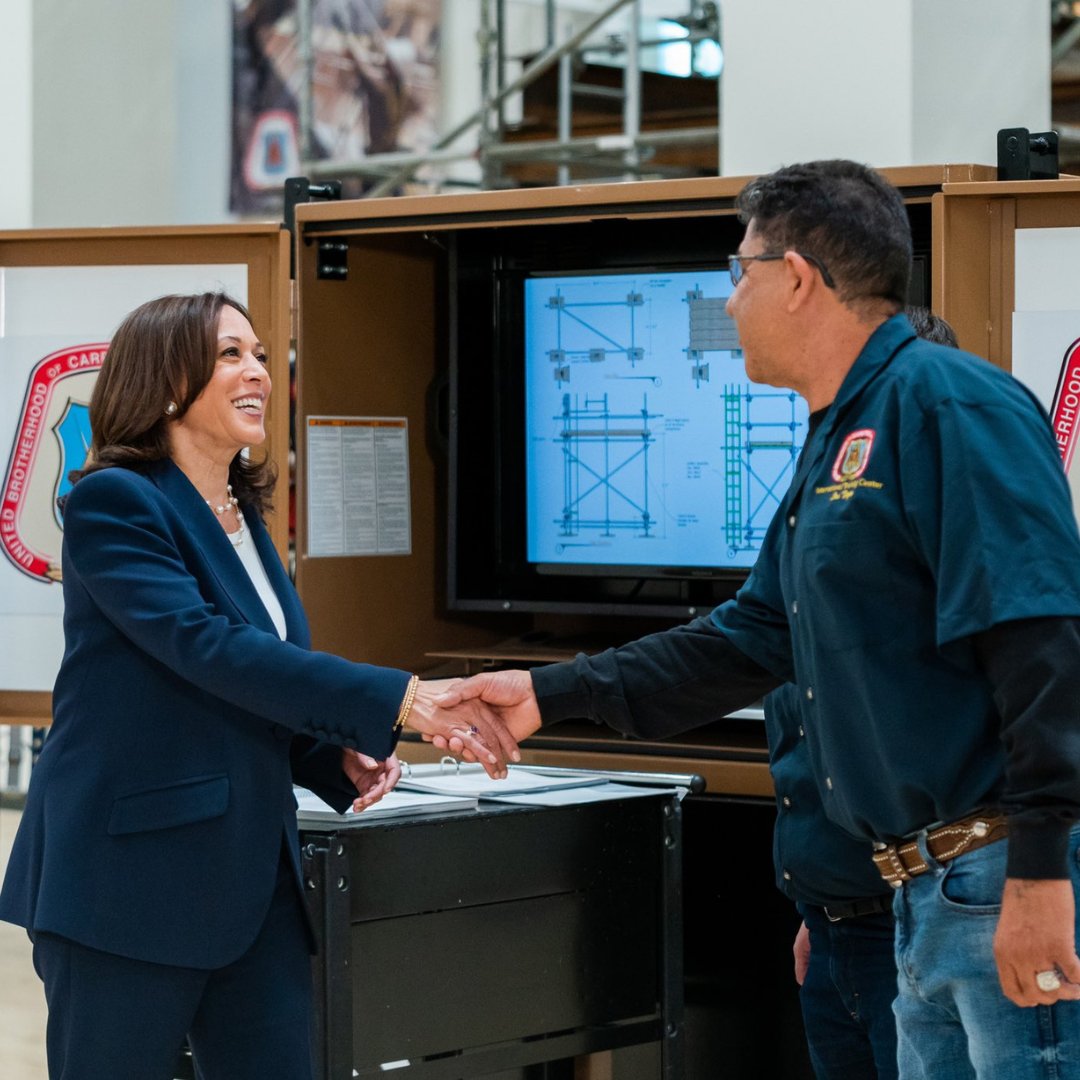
847 997
111 1018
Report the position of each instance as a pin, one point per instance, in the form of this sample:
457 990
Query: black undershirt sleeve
1032 665
657 686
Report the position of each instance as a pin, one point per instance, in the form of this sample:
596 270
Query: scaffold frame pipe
537 68
381 164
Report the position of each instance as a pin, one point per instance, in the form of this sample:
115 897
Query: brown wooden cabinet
375 340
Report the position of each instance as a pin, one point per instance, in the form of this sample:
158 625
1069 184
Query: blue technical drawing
605 467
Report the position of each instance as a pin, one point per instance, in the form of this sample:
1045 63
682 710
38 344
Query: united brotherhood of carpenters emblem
854 456
51 439
1065 410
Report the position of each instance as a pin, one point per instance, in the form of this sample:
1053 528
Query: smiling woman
226 417
229 411
201 404
157 865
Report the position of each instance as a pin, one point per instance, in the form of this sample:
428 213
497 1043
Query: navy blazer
155 816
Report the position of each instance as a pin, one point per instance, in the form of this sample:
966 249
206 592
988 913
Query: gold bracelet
406 703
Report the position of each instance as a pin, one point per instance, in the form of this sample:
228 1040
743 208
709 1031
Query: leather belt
898 863
850 909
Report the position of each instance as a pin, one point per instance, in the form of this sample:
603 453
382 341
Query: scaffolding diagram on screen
635 457
594 328
605 469
763 430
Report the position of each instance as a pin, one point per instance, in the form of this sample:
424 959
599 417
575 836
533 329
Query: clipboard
311 810
450 777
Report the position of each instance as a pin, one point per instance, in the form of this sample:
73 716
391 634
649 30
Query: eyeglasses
737 269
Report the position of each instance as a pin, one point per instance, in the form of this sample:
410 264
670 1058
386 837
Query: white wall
202 92
889 82
16 122
974 75
104 122
130 111
800 82
117 112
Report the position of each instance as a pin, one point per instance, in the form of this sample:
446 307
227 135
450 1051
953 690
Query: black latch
1027 155
298 189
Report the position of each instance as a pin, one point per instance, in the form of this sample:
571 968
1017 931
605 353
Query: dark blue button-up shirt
816 861
929 506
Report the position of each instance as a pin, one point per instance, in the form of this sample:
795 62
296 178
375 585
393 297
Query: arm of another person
125 557
654 687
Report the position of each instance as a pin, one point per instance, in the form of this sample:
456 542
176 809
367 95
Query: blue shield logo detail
72 431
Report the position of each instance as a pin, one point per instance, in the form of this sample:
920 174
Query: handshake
479 719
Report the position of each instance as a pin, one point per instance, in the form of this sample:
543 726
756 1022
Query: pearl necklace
231 503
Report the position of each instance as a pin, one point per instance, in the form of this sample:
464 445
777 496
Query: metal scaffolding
626 153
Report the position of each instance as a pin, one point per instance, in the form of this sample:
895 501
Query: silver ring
473 729
1048 981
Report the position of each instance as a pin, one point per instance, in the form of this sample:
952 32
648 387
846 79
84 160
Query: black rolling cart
504 940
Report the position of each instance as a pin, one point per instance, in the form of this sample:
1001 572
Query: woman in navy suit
156 867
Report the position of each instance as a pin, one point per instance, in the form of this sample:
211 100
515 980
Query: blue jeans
953 1020
847 997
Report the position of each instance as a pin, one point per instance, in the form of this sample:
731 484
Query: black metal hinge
298 189
1027 155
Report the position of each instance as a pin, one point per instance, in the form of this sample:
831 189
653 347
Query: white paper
358 497
454 779
603 792
393 804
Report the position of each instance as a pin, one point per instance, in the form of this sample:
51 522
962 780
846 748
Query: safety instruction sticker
358 486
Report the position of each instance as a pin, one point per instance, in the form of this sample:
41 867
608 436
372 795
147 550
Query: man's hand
371 778
1035 933
507 693
801 951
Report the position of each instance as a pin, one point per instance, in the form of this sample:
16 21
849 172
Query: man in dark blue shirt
920 587
844 961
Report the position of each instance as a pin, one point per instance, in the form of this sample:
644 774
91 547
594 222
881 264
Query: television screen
647 448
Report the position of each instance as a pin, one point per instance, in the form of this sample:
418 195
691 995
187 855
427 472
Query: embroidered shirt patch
854 455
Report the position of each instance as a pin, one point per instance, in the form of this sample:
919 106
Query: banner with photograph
374 89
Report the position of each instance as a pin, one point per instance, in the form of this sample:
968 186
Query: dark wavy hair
932 327
164 351
844 214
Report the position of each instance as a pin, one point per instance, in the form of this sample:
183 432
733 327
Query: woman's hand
371 778
474 728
